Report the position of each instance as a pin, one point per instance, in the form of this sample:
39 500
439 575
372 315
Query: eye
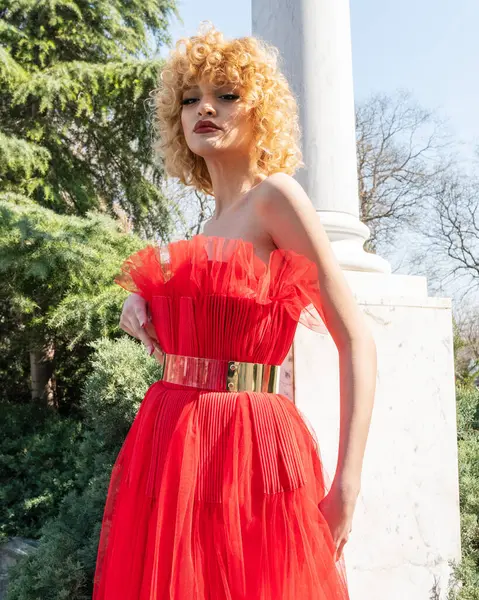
187 101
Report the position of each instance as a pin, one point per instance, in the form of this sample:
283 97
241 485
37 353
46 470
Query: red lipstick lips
205 125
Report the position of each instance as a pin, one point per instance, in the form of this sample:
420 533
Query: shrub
465 580
63 564
37 465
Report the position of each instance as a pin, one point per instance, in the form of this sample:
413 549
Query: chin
205 150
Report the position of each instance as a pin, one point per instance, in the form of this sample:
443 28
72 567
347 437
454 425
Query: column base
347 235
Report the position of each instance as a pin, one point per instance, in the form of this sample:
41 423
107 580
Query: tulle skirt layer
214 496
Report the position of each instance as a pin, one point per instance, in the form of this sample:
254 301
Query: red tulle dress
214 494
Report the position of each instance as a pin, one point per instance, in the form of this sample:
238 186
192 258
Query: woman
219 491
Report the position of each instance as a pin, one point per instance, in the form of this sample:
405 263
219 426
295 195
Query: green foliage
119 378
466 573
75 85
63 564
37 460
76 80
42 33
21 159
14 361
465 364
58 273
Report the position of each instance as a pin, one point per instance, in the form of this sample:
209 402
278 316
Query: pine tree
75 82
57 296
76 78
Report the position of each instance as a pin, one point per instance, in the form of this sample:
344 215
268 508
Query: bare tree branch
398 150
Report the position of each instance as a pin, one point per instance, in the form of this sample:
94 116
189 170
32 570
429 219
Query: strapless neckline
247 244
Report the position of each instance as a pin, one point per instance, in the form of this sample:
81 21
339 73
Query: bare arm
291 220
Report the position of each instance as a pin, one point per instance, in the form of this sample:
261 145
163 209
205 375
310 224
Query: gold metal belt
220 375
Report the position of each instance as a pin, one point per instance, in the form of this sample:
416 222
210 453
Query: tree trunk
42 377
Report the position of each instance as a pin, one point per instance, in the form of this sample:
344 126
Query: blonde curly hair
250 63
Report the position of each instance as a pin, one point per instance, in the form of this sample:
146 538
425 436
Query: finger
340 548
141 313
150 330
159 355
151 333
143 316
126 327
145 338
127 324
133 328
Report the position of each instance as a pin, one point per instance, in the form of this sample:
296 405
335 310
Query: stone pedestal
406 523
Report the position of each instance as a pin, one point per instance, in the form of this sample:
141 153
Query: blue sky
430 48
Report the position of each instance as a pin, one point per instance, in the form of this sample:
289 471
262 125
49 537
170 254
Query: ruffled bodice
212 296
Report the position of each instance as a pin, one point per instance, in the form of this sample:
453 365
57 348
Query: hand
337 508
136 321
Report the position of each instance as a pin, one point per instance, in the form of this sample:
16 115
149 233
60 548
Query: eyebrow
219 87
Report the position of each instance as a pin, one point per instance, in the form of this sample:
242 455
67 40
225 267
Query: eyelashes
186 101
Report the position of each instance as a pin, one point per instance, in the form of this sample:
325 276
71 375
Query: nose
205 108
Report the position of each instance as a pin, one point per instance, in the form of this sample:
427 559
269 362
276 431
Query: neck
231 180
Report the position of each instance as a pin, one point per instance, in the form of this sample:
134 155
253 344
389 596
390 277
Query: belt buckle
255 377
232 376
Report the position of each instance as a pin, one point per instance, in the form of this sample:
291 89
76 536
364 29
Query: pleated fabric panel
215 495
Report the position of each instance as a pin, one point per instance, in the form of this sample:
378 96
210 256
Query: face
227 109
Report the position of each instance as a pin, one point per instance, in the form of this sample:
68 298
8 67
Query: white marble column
315 43
406 524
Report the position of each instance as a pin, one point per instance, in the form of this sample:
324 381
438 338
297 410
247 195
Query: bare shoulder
277 184
281 182
287 213
280 193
